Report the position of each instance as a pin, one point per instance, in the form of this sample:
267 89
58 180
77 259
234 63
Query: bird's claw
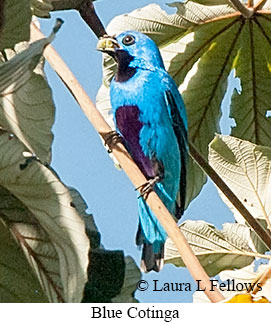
146 188
111 139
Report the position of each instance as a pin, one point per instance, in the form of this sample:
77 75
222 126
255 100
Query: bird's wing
177 114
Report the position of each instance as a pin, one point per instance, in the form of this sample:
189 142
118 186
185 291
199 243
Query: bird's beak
108 44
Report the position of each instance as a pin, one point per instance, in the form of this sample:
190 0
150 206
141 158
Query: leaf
211 2
216 250
152 21
197 13
13 31
37 209
105 275
27 109
41 8
18 283
251 275
249 235
246 169
250 107
111 277
132 276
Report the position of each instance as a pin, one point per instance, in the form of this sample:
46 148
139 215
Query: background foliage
45 227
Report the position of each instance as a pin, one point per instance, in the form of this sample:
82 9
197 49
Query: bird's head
132 49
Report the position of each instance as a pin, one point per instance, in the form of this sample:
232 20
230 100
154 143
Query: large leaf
253 66
200 45
27 109
13 31
132 276
153 21
203 107
216 250
18 283
102 286
37 209
246 169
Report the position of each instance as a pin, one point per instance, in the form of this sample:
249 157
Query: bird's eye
128 40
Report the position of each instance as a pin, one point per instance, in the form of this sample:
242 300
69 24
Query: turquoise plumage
150 115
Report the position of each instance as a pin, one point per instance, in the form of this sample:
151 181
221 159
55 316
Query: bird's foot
111 139
147 187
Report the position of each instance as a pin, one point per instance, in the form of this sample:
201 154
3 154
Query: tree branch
130 168
66 4
86 10
259 5
260 283
263 234
88 13
239 5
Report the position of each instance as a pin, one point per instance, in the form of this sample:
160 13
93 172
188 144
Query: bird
150 116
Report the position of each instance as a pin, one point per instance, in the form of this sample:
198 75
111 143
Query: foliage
44 226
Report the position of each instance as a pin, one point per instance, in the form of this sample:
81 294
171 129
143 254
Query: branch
130 168
239 5
86 10
66 4
263 234
88 13
260 283
259 5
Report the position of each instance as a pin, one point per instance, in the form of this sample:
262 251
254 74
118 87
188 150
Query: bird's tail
152 236
150 260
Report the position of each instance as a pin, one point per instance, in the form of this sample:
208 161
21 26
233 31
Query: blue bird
150 116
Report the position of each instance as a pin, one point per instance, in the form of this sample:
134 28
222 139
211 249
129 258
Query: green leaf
216 250
27 109
132 277
18 283
249 108
203 107
41 8
111 277
245 168
105 276
13 31
37 208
